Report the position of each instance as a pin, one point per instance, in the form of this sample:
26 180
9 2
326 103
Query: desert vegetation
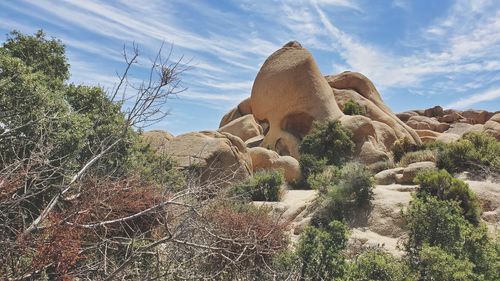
84 196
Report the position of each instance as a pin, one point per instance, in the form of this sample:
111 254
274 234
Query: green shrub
353 108
320 252
445 187
349 193
417 156
376 265
328 140
403 146
381 166
476 152
436 264
309 165
439 223
263 186
324 180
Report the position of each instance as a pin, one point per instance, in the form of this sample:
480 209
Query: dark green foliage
477 152
263 186
351 192
41 54
353 108
310 165
445 187
328 140
376 265
436 264
320 252
403 146
439 223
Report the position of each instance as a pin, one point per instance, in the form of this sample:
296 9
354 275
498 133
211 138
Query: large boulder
244 127
409 173
219 158
492 126
476 116
357 87
290 93
265 159
427 123
242 109
435 111
404 116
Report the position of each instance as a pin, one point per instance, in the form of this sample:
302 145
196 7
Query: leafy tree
328 140
436 264
376 265
445 187
41 54
439 223
320 252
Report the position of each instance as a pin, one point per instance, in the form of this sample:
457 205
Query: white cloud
463 103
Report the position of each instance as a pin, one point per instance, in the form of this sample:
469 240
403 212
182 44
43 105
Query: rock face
263 159
375 132
427 123
492 126
289 93
242 109
244 127
403 175
220 157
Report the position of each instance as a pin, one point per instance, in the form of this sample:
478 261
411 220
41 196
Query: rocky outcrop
242 109
265 159
451 122
357 87
220 158
289 93
492 126
427 123
244 127
403 175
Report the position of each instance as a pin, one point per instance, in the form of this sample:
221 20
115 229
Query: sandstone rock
387 176
476 116
412 170
460 128
290 93
427 123
448 137
221 158
244 127
267 159
255 141
404 116
352 85
157 138
492 126
450 117
242 109
434 111
427 135
369 154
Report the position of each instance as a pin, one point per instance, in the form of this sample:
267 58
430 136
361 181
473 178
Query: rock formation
449 125
220 158
290 93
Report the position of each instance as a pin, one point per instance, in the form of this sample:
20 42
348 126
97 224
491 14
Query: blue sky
418 53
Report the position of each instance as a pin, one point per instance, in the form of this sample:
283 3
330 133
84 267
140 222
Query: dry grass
417 156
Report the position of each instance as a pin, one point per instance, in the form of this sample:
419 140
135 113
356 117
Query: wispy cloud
463 103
